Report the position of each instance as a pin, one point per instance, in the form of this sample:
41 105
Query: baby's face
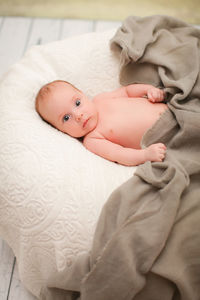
69 110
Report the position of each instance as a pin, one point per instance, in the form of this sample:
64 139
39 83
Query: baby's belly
130 126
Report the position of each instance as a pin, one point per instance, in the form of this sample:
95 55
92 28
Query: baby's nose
78 116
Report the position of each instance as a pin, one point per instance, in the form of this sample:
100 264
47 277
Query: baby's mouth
85 122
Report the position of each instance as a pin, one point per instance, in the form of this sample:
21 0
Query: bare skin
112 125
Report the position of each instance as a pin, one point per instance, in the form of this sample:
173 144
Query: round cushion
52 189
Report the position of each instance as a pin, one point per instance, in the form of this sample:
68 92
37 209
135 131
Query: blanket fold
147 242
148 233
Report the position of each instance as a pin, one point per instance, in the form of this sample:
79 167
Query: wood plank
17 290
44 31
6 265
75 27
1 22
13 38
106 25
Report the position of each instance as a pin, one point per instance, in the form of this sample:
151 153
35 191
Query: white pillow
51 188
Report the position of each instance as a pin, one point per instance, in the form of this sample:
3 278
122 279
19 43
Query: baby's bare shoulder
98 98
94 134
118 93
90 139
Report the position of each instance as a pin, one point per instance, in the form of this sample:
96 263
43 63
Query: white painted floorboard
75 27
17 290
13 37
43 31
6 265
106 25
17 34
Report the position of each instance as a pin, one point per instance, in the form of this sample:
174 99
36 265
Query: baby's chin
75 135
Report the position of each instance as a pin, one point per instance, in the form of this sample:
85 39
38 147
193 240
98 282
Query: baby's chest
125 122
116 118
120 111
117 127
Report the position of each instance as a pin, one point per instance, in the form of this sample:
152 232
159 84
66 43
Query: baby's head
66 108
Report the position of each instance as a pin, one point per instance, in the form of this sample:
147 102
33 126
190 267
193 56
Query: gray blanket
147 241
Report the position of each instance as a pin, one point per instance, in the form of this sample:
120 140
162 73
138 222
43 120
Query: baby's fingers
161 95
150 96
155 95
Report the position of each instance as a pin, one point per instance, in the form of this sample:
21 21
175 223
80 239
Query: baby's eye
66 118
78 102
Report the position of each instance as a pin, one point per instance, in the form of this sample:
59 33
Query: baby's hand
156 152
155 95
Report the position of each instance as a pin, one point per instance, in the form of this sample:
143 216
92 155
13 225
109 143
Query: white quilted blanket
51 188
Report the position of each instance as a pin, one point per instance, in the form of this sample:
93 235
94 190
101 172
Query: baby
112 124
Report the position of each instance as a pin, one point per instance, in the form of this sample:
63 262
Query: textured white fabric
51 188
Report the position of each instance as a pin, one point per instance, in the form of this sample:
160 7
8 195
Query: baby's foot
156 152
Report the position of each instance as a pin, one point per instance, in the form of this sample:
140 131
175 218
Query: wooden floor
16 36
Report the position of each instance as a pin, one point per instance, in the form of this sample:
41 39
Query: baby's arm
152 93
122 155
